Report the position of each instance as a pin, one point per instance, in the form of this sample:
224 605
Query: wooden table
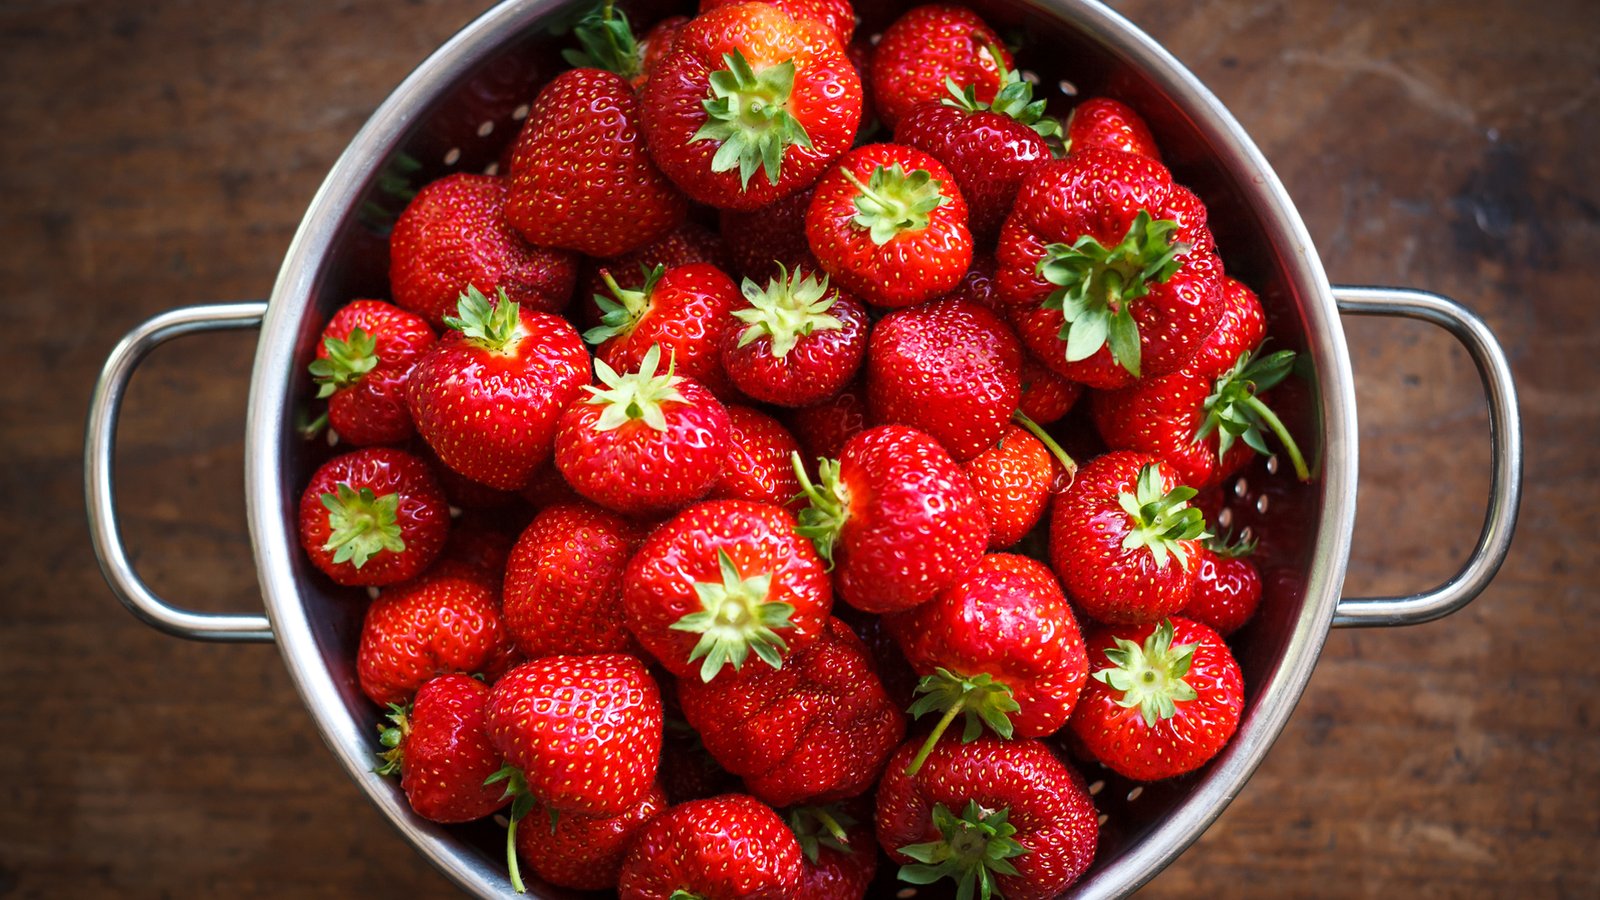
158 154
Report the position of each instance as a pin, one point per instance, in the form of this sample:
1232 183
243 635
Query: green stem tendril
790 307
346 362
1150 677
621 315
830 506
1162 521
636 396
1037 430
392 738
1234 409
606 42
816 827
748 112
310 428
983 700
495 326
972 849
1013 98
735 618
522 803
892 202
361 524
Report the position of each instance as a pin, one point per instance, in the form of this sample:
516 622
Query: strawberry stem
522 803
933 737
984 700
1277 427
893 202
824 519
1037 430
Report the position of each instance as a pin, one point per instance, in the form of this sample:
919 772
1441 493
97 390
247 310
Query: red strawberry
1123 539
816 730
690 242
949 368
977 285
1001 818
759 465
643 443
1227 587
563 582
1046 396
454 236
657 41
586 852
770 239
731 847
366 353
373 517
1117 280
438 747
927 45
720 580
687 771
486 396
548 488
580 174
446 621
747 88
1242 328
1162 698
841 854
890 225
1014 481
838 15
825 428
896 516
798 342
1104 123
683 310
462 492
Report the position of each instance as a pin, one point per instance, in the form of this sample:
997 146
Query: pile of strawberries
665 566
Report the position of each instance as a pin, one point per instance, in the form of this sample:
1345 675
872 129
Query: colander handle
1505 460
98 446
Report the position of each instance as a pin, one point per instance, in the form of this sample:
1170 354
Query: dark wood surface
153 155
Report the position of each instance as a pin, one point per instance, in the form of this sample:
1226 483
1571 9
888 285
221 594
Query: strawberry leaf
361 524
790 307
346 362
1234 411
495 325
893 202
830 504
638 395
622 315
748 112
972 849
1150 678
1161 520
735 618
607 43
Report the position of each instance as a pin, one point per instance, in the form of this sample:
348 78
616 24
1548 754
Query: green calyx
791 306
893 203
681 894
1162 520
736 618
496 325
1014 99
816 827
1233 411
637 395
391 737
619 316
362 524
346 362
829 507
1150 677
606 42
522 803
748 112
972 849
1226 547
1098 285
983 700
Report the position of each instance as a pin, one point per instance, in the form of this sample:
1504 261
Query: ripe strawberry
1123 539
438 747
563 582
454 235
816 730
366 353
927 45
690 242
949 368
657 41
487 395
683 310
1162 698
483 539
720 580
1227 586
586 852
462 492
977 285
890 225
896 516
446 621
841 854
643 443
1104 123
824 429
771 239
731 847
799 343
747 88
373 517
1116 281
838 15
1241 329
1046 396
1001 818
1014 481
759 465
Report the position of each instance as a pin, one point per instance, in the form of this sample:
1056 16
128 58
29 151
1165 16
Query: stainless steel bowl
457 110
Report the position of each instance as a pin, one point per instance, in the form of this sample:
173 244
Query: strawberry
799 343
759 466
690 242
487 395
841 854
462 492
978 285
454 235
446 621
438 747
684 310
1014 481
366 353
926 46
1109 125
1227 586
720 580
580 735
816 730
586 852
1001 818
890 225
729 847
837 15
1162 699
949 368
373 517
766 240
657 41
1123 539
824 429
483 539
1046 396
747 88
1112 267
563 582
642 442
896 516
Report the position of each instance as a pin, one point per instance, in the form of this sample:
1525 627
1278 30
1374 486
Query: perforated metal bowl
458 110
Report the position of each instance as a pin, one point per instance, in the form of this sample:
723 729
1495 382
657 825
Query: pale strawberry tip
748 112
346 362
791 306
983 700
893 202
736 618
522 803
495 326
362 524
1161 520
824 518
637 395
619 316
973 848
1233 410
1150 677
